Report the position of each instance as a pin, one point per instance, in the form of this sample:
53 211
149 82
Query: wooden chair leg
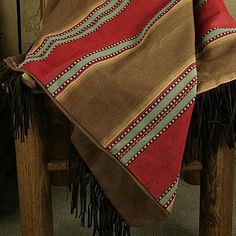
217 181
34 183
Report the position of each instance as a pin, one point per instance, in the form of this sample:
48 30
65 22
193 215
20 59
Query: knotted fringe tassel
18 97
214 115
95 208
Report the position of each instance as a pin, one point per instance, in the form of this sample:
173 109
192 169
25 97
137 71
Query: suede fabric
126 74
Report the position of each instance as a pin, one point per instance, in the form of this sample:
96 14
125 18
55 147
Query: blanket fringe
18 98
214 116
97 212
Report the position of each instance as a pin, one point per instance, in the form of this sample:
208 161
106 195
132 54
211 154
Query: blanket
140 81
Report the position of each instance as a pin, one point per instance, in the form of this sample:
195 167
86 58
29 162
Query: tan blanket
127 73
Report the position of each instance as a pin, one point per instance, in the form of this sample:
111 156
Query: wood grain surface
217 181
33 180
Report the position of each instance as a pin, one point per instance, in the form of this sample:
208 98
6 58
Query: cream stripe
131 153
71 31
84 11
155 92
141 125
105 52
177 66
65 40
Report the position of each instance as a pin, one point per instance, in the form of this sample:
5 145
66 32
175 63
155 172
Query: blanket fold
136 80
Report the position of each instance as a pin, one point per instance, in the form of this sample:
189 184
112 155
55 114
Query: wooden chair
37 169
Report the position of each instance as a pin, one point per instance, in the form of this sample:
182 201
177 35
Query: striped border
213 35
60 82
144 132
169 195
157 102
132 157
88 29
183 91
72 29
170 200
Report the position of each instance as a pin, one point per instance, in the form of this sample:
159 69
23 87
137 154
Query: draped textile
127 74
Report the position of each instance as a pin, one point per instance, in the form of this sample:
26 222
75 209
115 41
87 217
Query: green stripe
212 34
88 21
90 30
160 126
85 61
216 32
106 52
155 111
168 196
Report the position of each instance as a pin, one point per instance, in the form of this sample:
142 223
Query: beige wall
30 18
30 14
8 26
231 4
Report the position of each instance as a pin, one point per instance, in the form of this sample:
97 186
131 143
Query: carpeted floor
183 222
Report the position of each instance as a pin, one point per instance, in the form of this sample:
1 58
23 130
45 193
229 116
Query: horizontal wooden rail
57 165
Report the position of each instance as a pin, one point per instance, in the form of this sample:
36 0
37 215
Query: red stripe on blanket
159 166
212 14
122 27
166 91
